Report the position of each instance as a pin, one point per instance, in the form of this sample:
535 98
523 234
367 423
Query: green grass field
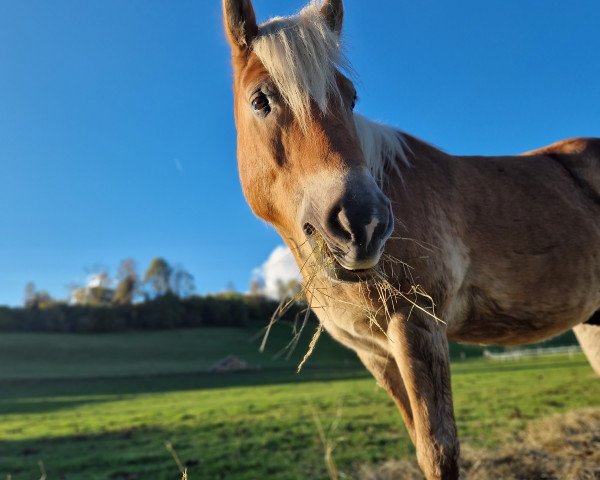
102 407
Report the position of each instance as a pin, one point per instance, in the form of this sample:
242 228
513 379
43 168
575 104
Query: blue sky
116 126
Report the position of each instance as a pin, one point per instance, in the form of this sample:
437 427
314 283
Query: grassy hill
102 407
161 352
41 355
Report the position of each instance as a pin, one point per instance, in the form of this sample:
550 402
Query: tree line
162 298
165 312
160 278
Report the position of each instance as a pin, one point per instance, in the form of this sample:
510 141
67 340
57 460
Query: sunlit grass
118 430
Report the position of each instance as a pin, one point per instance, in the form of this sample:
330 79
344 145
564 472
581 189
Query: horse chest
354 329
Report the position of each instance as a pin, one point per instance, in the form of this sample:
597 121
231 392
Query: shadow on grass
219 449
47 395
128 454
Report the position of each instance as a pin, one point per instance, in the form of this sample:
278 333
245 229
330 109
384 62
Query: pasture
103 406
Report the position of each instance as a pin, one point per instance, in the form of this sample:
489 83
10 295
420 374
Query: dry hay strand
306 295
311 347
329 441
391 470
284 306
379 297
182 469
560 447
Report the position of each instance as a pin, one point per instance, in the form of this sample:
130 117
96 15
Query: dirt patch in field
229 364
562 447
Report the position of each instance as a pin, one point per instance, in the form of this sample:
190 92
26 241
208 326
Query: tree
158 276
294 288
36 299
127 268
29 296
125 291
127 285
182 282
288 289
257 287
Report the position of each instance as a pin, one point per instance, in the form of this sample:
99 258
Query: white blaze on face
370 228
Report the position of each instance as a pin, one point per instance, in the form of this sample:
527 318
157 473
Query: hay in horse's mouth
327 261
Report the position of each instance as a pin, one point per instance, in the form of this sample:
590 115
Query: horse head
300 154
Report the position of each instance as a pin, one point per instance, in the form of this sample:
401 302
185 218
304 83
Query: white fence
531 352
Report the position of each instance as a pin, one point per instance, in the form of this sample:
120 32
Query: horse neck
423 164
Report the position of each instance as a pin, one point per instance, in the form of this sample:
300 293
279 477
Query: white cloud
279 267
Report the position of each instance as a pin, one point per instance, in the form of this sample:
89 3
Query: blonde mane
382 145
303 54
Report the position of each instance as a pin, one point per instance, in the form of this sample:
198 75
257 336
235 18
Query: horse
401 245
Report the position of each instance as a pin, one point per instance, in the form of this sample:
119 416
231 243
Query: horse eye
354 100
260 103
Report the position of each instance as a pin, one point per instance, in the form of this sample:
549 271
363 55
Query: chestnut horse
402 246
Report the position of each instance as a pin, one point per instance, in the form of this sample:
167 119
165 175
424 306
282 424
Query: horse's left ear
333 11
240 24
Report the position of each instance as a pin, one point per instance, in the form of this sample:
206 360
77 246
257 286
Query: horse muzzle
352 229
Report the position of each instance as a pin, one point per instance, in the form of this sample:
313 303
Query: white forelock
302 54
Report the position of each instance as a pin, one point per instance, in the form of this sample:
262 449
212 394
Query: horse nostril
338 223
309 230
344 221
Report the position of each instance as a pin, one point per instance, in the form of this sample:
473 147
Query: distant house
92 296
97 291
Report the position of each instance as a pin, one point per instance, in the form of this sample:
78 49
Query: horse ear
333 11
240 23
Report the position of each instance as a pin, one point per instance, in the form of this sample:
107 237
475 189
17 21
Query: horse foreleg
420 348
588 336
387 375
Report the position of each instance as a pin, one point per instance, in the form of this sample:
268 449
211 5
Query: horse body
402 246
499 275
507 247
517 240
